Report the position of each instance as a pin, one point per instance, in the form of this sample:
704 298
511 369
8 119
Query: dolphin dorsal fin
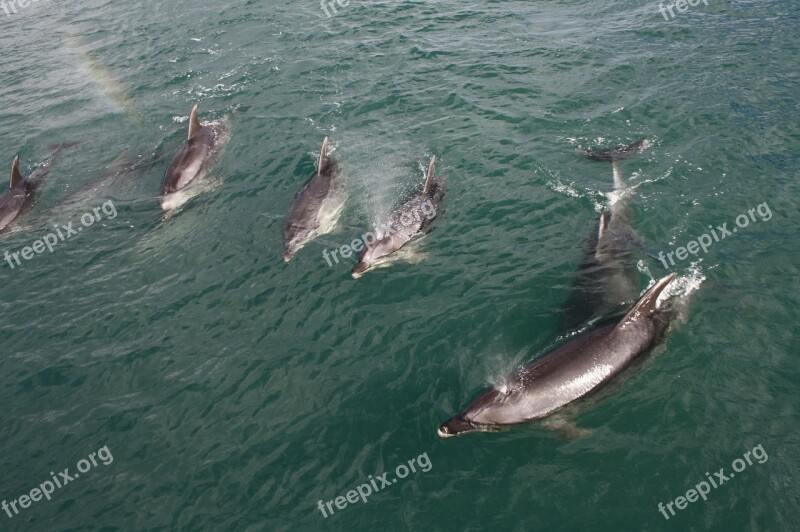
646 305
16 177
194 122
426 188
323 156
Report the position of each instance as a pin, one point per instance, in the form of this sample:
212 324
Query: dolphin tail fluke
16 177
426 189
194 122
646 306
323 156
616 154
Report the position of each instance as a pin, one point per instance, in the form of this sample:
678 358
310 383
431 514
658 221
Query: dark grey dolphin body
407 222
22 190
570 372
607 279
193 159
316 207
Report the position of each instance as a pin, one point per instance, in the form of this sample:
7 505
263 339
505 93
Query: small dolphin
194 158
573 370
607 279
406 223
21 194
317 205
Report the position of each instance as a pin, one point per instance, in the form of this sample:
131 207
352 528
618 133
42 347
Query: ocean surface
185 378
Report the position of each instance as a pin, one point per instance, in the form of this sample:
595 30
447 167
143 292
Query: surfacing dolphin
570 372
607 279
203 144
406 223
317 205
22 190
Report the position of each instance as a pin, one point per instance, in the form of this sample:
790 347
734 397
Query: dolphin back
303 215
189 162
607 278
316 206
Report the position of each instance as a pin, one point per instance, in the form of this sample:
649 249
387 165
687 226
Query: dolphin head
289 252
374 255
295 239
295 234
366 261
360 269
493 409
454 426
457 425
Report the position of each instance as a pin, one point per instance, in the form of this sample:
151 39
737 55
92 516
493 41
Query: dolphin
570 372
22 190
317 205
193 159
607 279
404 224
109 184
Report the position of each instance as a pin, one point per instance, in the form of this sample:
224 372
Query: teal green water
235 391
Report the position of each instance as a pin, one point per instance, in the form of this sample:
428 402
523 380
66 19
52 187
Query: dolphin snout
359 270
443 432
454 426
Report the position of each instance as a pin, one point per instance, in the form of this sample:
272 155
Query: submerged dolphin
607 279
109 184
193 159
404 224
574 370
22 190
317 205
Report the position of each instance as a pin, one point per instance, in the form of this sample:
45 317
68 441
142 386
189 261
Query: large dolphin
194 158
22 190
607 279
403 225
317 205
573 370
